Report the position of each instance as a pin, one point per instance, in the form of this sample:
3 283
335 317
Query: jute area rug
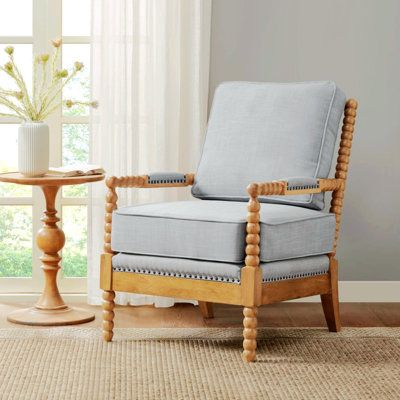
74 363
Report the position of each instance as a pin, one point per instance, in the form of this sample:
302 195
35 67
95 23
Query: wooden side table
50 310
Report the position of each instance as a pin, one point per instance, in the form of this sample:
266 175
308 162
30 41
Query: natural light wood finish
249 333
108 314
106 272
280 188
108 296
342 164
50 308
330 300
251 292
251 277
273 292
182 288
48 180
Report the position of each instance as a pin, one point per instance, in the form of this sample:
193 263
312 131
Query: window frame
47 25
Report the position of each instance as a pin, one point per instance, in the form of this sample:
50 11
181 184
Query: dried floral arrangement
48 84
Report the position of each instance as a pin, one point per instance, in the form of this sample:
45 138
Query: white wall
357 44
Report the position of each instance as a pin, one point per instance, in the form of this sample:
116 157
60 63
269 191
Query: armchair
210 250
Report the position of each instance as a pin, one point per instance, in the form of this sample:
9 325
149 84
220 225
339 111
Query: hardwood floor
276 315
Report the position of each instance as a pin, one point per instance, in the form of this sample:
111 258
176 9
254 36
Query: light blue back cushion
258 132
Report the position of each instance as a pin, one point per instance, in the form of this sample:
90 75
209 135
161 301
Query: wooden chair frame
251 292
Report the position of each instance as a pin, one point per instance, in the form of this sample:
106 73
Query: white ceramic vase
33 148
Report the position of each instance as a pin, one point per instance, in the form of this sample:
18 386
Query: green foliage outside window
15 241
75 150
75 251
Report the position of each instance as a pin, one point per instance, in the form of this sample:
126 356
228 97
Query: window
25 26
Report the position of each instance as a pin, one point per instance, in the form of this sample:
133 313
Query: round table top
48 180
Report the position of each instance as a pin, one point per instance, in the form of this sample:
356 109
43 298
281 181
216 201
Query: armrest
154 180
294 186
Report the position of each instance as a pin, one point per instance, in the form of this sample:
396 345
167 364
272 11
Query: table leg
50 310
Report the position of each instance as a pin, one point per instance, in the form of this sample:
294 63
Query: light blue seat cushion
217 271
258 132
215 230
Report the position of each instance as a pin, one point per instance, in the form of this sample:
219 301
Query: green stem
15 78
21 83
46 113
6 92
34 88
49 91
53 63
82 103
9 115
43 86
54 81
44 108
6 102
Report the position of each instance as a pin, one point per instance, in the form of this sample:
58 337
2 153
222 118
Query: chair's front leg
108 314
249 333
251 276
106 263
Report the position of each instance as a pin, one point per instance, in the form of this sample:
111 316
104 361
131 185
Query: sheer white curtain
150 63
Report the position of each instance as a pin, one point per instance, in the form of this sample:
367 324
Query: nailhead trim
177 274
296 276
212 278
166 180
304 187
157 181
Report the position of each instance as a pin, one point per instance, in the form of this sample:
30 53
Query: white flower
9 50
56 42
78 65
8 67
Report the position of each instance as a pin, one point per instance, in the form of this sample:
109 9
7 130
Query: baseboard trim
364 292
349 292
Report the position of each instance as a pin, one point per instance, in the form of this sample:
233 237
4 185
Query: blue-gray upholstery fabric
297 268
217 271
259 132
178 267
166 177
215 230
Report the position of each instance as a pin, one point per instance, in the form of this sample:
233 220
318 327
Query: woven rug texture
205 363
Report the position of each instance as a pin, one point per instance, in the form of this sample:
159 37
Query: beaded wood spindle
108 314
111 205
109 295
252 260
249 333
342 166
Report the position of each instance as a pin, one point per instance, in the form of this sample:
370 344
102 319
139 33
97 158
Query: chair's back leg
206 309
330 301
